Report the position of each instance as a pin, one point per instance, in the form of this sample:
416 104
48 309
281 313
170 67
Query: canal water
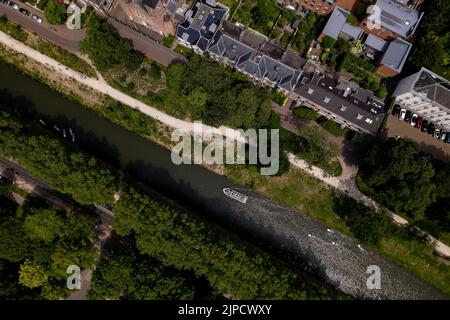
336 258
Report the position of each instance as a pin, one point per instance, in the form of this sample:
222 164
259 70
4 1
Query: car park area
429 138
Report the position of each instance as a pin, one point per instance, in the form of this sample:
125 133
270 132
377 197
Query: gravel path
345 182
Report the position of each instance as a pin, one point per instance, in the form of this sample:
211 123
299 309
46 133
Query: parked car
443 135
408 116
413 121
424 126
396 111
13 5
419 122
448 137
24 11
4 1
36 18
402 114
431 128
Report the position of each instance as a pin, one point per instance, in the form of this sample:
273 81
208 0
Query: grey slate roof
352 31
336 22
229 48
201 22
376 43
396 54
354 107
398 18
256 62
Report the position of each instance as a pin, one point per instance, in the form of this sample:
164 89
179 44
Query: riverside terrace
267 64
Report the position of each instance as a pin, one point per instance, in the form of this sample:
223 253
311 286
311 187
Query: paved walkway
345 183
101 86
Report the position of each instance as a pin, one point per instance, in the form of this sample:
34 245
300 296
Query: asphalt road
59 35
70 39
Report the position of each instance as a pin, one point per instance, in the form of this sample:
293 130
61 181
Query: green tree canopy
55 12
106 48
63 170
32 274
429 51
13 241
45 225
112 276
400 177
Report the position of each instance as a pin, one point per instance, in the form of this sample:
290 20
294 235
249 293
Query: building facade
427 95
341 101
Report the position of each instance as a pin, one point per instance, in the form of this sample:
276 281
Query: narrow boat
57 128
72 134
64 133
42 122
235 195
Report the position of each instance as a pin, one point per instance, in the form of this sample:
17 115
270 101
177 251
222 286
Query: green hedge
305 113
331 126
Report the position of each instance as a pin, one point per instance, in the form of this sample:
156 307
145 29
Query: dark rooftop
396 54
359 107
201 22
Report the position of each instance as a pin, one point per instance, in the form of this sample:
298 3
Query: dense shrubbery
168 41
312 146
305 113
259 15
354 65
401 178
278 97
308 30
214 94
331 126
202 89
365 224
433 45
55 12
128 118
5 185
37 244
177 239
362 70
106 48
328 42
66 58
121 274
63 170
